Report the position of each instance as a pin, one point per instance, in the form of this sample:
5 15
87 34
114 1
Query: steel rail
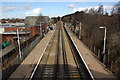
43 69
80 56
40 58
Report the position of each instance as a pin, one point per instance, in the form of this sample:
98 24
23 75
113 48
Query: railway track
47 65
61 60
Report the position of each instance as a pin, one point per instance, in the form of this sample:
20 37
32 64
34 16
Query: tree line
12 20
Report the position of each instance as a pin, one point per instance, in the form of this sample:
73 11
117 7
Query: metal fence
29 47
12 60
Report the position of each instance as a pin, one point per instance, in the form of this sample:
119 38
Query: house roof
15 32
36 20
10 25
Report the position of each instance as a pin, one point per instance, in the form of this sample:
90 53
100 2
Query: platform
97 69
27 66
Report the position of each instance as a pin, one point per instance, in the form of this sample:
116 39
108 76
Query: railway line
61 59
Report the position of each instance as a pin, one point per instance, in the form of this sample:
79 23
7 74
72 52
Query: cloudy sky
16 9
59 0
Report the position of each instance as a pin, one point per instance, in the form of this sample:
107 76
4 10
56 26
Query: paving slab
97 69
27 66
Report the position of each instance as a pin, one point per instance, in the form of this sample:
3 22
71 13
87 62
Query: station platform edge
26 68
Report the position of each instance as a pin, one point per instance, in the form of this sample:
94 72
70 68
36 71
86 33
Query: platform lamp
19 45
104 38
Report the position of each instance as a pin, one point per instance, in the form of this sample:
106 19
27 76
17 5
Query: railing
11 60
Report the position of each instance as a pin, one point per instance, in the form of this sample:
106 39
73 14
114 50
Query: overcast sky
23 9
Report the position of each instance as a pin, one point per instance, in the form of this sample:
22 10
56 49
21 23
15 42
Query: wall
0 38
33 30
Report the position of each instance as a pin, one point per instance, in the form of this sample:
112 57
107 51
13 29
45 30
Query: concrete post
105 59
111 66
98 53
80 31
108 65
94 49
99 56
20 53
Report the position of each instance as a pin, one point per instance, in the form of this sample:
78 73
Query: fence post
105 59
94 49
109 61
99 54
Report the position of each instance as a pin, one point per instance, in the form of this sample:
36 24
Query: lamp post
104 38
19 45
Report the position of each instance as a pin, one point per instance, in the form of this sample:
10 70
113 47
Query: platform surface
97 69
26 67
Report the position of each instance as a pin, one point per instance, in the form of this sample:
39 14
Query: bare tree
100 10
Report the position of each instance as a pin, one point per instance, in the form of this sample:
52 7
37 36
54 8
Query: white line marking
39 59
